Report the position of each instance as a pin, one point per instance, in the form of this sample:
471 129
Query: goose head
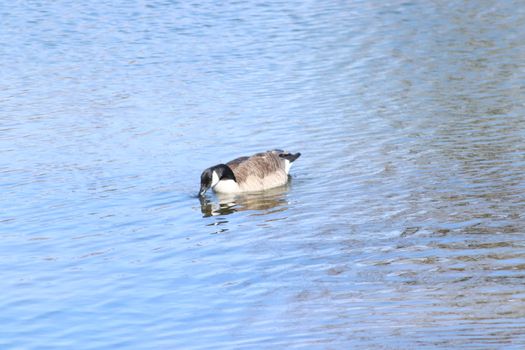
210 177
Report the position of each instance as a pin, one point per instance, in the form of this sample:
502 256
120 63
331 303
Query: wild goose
259 172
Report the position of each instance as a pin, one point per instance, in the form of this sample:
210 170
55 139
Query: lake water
403 225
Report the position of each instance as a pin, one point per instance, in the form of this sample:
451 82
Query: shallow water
402 226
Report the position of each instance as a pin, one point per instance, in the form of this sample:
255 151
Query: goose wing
234 164
259 165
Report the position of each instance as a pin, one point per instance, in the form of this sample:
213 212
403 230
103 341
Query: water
402 226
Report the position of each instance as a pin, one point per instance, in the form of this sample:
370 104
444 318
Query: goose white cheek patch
214 179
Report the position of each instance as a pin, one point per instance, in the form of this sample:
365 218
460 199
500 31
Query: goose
258 172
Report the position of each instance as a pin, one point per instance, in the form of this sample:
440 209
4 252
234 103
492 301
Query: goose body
258 172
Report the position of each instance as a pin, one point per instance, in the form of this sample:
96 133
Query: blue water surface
402 226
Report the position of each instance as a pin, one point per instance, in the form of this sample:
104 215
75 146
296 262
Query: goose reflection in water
269 201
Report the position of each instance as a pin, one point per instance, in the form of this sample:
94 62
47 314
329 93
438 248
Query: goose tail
290 156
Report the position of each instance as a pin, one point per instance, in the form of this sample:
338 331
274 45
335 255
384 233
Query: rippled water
402 226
